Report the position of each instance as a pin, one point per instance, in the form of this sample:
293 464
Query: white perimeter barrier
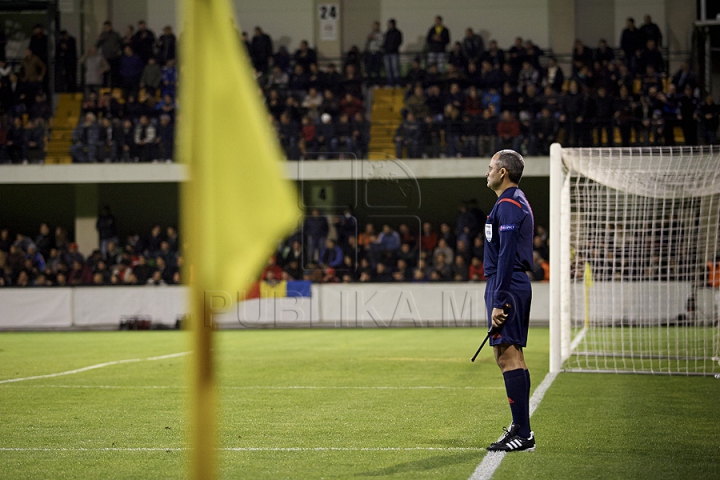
641 302
60 307
331 305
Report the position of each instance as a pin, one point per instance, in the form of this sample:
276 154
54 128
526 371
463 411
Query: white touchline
491 461
93 367
243 449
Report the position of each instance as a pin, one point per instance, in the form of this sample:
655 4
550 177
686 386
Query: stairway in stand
385 118
67 116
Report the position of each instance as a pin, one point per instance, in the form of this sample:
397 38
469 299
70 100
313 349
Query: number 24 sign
328 14
328 11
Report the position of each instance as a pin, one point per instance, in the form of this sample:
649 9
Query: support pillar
328 29
86 214
561 30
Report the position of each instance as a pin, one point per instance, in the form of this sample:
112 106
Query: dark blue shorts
515 329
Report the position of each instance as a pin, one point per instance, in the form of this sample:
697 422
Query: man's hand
498 317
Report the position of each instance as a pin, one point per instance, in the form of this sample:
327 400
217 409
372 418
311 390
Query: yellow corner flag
236 205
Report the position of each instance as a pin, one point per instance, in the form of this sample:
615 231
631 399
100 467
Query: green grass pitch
394 403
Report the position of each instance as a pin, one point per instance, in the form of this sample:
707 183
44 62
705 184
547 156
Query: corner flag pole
203 392
237 203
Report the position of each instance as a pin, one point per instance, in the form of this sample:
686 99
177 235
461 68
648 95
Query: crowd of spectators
137 125
331 249
316 113
463 98
25 112
472 102
51 259
136 129
137 59
326 249
664 249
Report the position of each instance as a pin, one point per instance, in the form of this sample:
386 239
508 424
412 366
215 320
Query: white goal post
634 286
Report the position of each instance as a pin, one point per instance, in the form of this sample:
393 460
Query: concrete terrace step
67 115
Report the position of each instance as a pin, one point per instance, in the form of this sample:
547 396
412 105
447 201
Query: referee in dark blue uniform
508 256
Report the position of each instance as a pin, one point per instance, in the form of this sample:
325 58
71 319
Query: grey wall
358 16
595 20
434 201
24 207
136 206
678 34
550 23
128 12
286 22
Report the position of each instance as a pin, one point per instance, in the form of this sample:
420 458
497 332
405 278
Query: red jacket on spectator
428 241
508 128
351 105
473 106
80 277
478 270
308 133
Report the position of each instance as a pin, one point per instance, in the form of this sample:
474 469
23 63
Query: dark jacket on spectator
631 41
652 57
261 49
604 108
316 227
110 44
496 58
392 41
106 226
143 43
438 45
166 47
652 32
131 66
573 106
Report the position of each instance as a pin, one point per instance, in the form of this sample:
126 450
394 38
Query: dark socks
527 379
517 386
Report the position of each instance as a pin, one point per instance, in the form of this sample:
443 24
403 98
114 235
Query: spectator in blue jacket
331 255
407 136
35 140
85 140
385 247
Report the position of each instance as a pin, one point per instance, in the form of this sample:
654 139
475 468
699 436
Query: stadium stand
658 109
322 252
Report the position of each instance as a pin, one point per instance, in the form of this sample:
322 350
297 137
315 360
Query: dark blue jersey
508 243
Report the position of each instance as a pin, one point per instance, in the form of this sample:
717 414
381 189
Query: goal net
634 247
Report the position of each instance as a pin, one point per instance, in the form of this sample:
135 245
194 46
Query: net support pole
556 182
565 263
